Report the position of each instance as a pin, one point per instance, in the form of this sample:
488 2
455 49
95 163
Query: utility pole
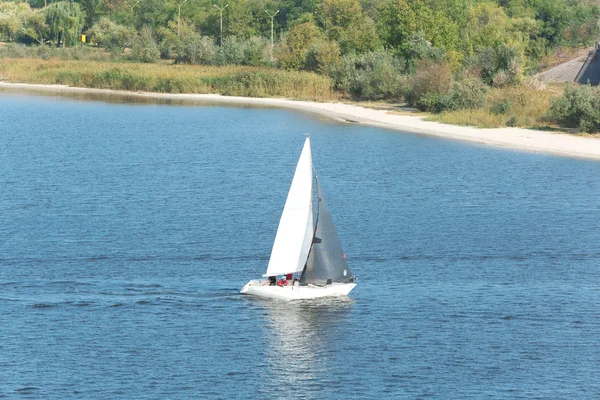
132 6
179 14
221 11
322 20
272 17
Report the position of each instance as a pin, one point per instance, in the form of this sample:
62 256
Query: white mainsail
295 232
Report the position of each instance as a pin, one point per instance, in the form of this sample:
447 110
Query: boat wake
51 294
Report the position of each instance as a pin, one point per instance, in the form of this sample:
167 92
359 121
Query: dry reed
519 106
226 80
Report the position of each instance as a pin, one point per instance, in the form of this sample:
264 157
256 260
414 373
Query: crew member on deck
282 282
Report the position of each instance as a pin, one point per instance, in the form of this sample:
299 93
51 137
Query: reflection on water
116 97
302 342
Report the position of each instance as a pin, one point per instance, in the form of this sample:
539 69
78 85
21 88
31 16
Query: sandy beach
561 144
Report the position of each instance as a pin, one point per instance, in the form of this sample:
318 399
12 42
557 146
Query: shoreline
561 144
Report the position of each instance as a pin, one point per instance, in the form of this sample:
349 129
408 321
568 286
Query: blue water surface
127 230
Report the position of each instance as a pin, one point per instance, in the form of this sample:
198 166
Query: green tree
291 52
93 10
346 24
584 28
65 22
11 18
500 66
554 16
169 41
292 10
322 57
195 49
244 18
499 41
144 47
154 13
370 76
240 51
489 26
398 20
112 36
34 26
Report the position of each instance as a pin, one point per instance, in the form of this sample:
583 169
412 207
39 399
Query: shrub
170 37
13 50
434 89
436 102
429 85
512 106
500 66
500 108
579 107
256 52
322 57
231 51
168 42
238 51
195 49
512 121
468 92
144 48
370 76
417 47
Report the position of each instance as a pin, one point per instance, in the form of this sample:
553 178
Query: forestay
295 231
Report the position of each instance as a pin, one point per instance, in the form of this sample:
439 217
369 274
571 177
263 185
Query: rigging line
316 218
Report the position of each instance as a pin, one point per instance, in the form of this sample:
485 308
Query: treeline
436 54
312 34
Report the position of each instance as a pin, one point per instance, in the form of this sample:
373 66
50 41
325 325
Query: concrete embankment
581 69
590 70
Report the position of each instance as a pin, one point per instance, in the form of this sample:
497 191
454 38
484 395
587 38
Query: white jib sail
295 232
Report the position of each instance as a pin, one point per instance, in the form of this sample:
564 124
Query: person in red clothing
283 281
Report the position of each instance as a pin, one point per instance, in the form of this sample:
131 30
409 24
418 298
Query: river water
127 230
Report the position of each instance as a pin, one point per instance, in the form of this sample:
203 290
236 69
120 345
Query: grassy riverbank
163 78
520 106
512 107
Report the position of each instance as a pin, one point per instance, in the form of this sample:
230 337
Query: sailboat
307 249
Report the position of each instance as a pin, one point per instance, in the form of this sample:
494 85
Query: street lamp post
132 6
272 17
322 20
179 14
221 12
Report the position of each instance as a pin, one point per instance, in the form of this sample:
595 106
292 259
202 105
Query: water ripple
128 229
